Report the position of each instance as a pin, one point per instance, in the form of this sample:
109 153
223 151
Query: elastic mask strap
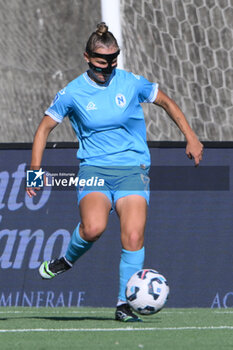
109 57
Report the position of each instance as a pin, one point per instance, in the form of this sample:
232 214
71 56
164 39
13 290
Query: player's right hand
31 191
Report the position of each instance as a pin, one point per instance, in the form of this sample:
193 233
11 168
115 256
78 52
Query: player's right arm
45 127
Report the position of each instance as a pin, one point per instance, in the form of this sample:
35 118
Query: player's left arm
194 148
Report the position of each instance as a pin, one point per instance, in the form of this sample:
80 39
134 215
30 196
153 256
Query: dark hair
101 38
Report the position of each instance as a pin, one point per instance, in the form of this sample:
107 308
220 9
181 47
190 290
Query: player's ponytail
101 38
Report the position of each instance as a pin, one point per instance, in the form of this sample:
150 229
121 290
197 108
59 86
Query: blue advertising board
188 235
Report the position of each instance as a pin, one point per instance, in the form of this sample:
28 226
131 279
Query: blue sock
130 263
77 246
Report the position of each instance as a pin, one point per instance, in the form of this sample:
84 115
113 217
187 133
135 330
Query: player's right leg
94 211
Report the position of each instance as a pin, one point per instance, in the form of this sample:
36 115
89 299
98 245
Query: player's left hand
194 150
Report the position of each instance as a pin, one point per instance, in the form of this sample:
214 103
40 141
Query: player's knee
90 232
133 240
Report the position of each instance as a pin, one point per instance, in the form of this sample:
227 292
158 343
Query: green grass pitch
95 328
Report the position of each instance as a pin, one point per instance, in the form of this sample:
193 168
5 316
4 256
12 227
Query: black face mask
106 72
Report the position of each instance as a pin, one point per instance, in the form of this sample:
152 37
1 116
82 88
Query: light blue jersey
108 120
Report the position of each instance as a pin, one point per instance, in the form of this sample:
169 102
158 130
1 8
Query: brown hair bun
101 38
102 28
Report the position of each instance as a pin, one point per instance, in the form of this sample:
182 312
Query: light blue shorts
114 182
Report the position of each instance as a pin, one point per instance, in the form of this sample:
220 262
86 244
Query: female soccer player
103 106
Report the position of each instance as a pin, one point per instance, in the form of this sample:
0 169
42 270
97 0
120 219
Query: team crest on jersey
120 100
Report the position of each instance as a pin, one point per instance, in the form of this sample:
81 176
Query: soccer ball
147 291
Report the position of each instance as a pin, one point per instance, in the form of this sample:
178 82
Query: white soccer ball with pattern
147 291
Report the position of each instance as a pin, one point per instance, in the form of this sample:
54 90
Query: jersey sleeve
60 107
147 91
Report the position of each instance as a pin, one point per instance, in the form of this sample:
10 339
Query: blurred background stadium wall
185 45
41 48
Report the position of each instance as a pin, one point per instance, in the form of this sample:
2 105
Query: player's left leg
132 211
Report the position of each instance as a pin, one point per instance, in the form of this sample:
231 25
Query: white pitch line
88 312
57 312
127 329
